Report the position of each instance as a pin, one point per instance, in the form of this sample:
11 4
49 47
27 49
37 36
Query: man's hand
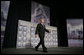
49 31
36 36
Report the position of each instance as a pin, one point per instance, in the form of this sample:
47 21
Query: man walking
40 30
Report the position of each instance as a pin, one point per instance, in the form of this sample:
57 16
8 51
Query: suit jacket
40 30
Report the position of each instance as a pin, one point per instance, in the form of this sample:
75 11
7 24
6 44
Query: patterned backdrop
26 35
4 13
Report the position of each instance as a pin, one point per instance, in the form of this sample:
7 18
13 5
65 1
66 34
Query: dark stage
58 50
59 13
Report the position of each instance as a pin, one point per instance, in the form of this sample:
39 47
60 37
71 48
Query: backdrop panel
75 32
39 11
26 35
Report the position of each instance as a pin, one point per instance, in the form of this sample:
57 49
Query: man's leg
38 45
43 45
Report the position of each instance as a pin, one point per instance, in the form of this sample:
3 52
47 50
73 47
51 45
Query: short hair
41 18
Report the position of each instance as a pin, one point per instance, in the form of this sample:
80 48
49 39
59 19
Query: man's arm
36 32
47 30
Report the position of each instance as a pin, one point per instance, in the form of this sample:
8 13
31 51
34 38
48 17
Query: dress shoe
36 49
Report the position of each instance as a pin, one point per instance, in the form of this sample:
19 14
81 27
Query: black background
59 12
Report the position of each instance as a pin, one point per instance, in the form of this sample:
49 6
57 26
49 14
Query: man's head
42 20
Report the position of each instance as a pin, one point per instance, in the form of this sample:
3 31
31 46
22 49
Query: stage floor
57 50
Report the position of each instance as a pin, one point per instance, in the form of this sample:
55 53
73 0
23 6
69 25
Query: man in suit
40 30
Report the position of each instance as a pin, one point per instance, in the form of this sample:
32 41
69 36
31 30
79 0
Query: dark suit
40 30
